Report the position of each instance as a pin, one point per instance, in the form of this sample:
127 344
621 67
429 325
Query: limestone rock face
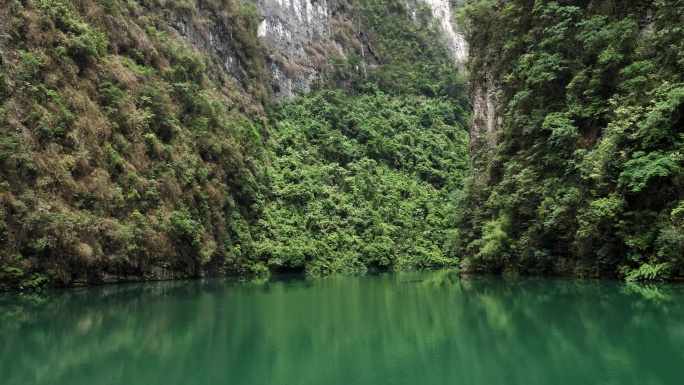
298 35
442 11
486 116
289 25
301 37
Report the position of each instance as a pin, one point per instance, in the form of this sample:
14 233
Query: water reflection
403 328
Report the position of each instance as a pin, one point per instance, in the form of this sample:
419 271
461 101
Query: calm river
402 328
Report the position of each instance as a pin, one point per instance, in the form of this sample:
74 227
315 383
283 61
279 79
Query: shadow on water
398 328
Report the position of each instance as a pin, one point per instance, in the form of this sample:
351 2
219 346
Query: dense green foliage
129 152
361 176
361 181
585 173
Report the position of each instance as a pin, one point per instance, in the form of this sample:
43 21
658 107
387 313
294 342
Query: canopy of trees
585 175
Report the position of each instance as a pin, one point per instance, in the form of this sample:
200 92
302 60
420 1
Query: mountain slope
139 139
582 174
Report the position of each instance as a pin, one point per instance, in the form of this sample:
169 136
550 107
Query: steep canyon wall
303 35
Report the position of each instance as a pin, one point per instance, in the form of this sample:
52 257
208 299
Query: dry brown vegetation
122 145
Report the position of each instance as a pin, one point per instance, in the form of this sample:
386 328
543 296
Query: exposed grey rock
455 40
485 117
214 39
298 33
288 25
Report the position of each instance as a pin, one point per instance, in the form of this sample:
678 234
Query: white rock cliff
299 36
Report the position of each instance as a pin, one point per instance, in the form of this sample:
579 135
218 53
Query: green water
403 328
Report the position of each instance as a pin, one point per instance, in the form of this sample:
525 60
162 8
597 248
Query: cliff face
442 11
483 89
303 35
298 35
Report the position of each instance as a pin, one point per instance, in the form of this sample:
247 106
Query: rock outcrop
299 39
302 36
442 11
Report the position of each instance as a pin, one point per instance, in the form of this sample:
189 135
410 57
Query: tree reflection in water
401 328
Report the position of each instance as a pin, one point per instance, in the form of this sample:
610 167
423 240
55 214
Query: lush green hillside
130 149
362 180
363 170
584 175
129 152
361 173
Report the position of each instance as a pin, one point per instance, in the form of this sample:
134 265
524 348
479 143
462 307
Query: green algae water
403 328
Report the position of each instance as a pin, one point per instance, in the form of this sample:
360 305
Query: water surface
403 328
